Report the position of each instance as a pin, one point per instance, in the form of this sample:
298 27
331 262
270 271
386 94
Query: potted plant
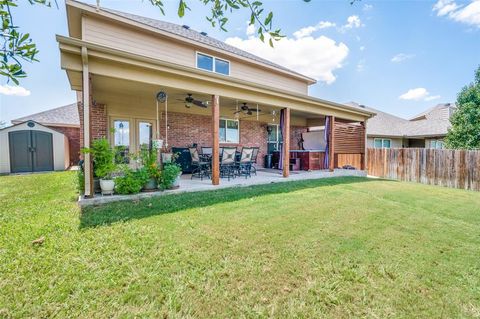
130 181
148 158
171 176
103 159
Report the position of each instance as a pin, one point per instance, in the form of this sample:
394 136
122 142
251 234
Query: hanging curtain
282 124
326 160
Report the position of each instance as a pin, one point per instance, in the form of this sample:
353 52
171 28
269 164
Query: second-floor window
213 64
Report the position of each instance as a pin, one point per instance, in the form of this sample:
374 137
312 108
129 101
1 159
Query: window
222 66
144 134
274 138
210 63
382 143
121 135
229 131
437 144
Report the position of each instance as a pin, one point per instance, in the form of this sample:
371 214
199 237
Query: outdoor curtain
282 124
326 160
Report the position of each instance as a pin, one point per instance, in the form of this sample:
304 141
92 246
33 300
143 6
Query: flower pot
107 186
151 185
96 185
176 182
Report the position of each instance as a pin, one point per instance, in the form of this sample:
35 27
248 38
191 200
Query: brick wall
98 121
73 135
296 136
186 129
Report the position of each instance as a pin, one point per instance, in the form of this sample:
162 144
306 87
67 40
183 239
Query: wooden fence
450 168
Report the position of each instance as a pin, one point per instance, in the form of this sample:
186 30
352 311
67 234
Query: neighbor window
437 144
213 64
229 131
382 143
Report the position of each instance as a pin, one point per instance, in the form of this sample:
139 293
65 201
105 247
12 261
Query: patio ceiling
139 98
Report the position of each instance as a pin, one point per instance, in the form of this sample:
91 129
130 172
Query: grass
346 247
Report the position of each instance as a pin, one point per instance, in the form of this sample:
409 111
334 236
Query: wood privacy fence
450 168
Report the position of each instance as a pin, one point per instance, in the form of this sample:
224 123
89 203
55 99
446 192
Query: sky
400 57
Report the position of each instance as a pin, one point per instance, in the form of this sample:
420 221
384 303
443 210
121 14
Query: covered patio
119 90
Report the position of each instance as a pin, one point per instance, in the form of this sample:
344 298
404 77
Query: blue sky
397 56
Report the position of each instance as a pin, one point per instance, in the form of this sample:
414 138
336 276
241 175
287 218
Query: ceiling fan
245 109
190 101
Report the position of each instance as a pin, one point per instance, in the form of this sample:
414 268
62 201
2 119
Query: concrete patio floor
195 185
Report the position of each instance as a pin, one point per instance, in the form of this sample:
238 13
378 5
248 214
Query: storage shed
32 147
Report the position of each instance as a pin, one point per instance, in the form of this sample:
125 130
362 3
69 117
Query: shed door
30 151
42 151
20 155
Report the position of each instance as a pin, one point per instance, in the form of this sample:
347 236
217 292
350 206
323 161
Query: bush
169 174
80 181
103 158
131 182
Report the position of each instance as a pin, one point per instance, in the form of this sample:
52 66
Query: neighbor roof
433 122
61 116
193 35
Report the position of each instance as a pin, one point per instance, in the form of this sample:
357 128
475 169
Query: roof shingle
64 115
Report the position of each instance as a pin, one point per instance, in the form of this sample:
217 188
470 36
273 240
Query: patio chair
254 160
206 153
200 168
227 163
244 165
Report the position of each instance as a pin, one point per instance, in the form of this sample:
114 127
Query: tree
19 47
465 130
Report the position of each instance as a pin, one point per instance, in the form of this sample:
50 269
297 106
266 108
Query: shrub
148 158
131 182
169 174
103 158
80 181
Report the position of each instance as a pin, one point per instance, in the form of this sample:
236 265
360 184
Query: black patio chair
227 163
254 160
244 165
200 167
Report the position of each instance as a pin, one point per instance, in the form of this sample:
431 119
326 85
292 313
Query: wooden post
286 143
331 147
87 162
215 139
364 155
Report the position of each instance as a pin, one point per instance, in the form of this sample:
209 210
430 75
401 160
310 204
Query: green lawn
346 247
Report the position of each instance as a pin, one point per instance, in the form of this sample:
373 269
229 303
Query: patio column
331 146
286 143
365 150
215 139
87 164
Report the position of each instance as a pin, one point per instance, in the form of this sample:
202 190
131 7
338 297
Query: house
32 147
140 79
62 119
425 130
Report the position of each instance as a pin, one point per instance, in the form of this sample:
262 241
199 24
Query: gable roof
61 116
191 35
432 122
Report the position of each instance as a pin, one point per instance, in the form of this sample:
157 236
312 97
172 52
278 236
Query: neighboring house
217 95
425 130
63 119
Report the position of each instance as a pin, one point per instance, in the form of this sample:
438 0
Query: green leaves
465 130
14 45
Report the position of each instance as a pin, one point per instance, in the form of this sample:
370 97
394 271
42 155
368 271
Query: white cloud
361 65
402 57
353 22
250 29
307 31
418 94
367 7
316 57
14 90
362 48
467 14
